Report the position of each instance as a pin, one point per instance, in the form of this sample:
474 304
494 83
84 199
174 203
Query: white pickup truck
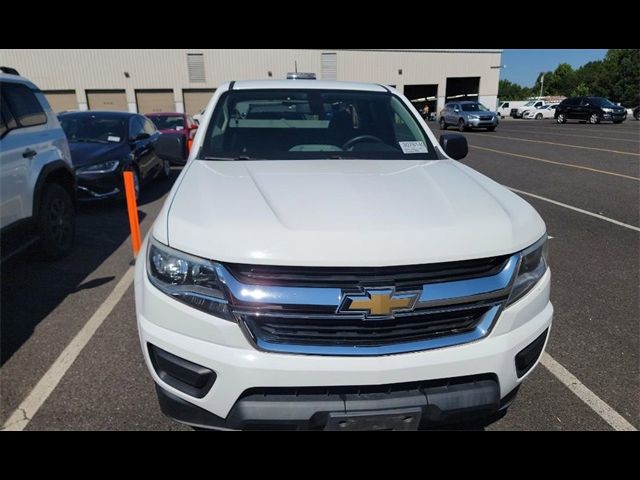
324 262
518 112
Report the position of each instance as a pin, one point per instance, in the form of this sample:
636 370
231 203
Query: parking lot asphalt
595 290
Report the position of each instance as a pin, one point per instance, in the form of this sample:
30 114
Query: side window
149 127
135 127
23 104
505 105
3 125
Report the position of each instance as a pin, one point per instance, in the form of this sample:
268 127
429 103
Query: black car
590 109
636 113
104 144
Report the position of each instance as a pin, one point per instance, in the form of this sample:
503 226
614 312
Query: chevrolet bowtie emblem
379 302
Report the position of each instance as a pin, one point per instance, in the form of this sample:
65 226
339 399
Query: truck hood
343 213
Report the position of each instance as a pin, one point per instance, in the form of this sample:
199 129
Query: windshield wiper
239 157
87 140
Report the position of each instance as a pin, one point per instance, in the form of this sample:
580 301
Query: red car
176 123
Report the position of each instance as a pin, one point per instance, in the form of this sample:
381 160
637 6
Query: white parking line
572 165
576 209
608 414
568 145
21 417
539 132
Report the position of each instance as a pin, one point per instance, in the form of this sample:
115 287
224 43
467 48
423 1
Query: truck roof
307 84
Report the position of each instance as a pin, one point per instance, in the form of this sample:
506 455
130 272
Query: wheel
561 118
165 174
443 124
539 116
56 222
594 118
461 125
636 115
490 129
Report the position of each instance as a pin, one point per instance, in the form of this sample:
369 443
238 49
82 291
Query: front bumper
477 123
220 345
100 186
614 117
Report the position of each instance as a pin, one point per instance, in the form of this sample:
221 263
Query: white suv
37 181
324 263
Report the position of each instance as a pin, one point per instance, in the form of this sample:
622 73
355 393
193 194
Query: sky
523 66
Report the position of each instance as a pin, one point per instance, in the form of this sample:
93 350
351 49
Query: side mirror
457 110
454 145
140 136
171 146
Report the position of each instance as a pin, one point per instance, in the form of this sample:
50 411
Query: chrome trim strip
264 294
474 289
433 294
477 333
115 191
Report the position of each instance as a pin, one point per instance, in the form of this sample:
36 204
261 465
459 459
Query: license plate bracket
397 419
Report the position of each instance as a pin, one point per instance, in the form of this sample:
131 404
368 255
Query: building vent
195 64
329 66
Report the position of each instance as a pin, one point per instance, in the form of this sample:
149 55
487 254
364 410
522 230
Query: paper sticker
178 128
113 139
413 147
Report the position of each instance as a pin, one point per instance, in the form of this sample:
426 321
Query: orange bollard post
132 208
189 144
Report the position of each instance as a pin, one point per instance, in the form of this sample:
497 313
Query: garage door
196 100
153 101
107 100
62 100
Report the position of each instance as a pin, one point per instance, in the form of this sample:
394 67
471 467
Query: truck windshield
292 124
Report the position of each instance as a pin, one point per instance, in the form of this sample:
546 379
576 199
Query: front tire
443 124
594 118
561 118
461 126
539 116
165 173
56 222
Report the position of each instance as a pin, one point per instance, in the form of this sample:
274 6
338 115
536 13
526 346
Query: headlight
533 265
189 279
104 167
607 110
473 117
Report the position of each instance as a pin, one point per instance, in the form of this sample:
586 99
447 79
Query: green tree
581 90
508 90
595 76
624 67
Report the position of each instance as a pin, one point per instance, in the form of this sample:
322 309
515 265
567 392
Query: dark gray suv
466 115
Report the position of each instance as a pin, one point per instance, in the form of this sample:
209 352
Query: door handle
29 153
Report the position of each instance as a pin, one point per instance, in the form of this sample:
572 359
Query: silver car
467 115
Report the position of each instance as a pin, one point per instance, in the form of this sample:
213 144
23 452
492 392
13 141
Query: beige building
183 80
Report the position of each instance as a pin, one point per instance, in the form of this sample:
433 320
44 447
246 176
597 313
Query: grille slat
353 277
358 332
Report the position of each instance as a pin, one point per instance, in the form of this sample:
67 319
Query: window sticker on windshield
413 147
113 139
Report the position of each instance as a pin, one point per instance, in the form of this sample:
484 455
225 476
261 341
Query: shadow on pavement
31 287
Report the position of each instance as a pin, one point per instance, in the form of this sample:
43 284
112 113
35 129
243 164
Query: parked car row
49 162
586 109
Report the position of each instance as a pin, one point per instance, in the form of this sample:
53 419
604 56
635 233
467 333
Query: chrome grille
284 309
